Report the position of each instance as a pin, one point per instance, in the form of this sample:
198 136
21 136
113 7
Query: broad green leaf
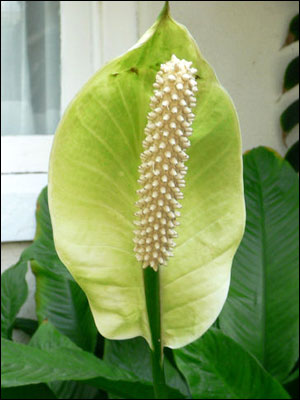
216 367
48 338
262 309
42 250
47 258
38 391
24 365
62 302
92 192
134 355
291 76
13 295
58 297
292 156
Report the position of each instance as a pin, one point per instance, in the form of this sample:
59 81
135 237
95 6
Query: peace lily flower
100 175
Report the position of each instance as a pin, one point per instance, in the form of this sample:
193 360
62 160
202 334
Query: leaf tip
165 12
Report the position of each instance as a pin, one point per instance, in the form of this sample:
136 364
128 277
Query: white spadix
162 170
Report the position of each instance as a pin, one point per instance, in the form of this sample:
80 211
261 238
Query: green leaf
291 76
292 156
92 192
38 391
42 250
13 295
293 33
134 356
59 359
48 338
62 302
26 325
290 118
24 365
216 367
59 299
262 309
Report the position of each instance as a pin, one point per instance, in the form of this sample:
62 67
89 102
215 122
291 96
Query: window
58 45
30 71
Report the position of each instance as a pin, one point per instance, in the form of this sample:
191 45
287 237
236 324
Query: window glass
30 67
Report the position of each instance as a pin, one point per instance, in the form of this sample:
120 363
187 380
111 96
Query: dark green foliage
216 367
26 325
291 76
262 309
290 117
37 391
134 356
292 156
52 357
58 297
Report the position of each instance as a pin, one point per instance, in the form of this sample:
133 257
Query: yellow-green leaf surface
92 193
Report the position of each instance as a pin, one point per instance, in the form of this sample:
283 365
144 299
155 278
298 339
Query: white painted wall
241 40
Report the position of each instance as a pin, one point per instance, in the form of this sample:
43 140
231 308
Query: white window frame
92 33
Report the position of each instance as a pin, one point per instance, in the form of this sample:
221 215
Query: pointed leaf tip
165 10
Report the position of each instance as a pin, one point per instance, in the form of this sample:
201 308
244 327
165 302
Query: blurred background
49 49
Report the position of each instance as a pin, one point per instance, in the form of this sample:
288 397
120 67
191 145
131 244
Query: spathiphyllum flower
163 162
146 175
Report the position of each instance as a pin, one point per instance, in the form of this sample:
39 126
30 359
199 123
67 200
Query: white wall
242 41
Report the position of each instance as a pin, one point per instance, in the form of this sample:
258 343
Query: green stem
151 281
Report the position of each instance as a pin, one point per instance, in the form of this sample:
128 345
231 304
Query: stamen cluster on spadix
162 170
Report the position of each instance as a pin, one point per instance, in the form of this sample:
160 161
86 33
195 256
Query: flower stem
151 281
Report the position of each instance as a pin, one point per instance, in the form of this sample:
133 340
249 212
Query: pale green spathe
92 192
